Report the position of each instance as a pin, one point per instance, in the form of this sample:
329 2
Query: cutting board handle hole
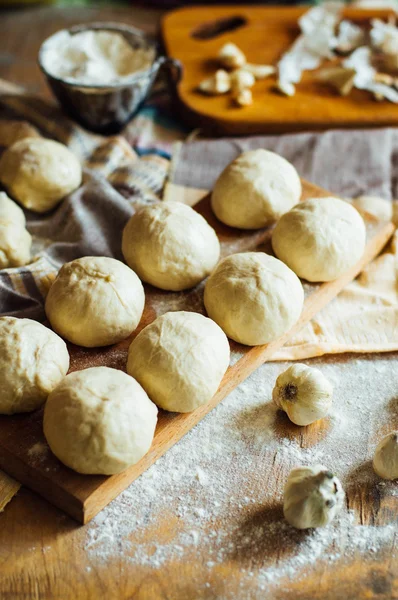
212 29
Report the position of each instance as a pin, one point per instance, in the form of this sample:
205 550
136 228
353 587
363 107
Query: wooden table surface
42 551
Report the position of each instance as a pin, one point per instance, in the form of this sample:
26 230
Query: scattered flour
220 488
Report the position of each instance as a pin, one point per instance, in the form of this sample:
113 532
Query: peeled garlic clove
231 57
312 497
286 88
243 97
260 71
303 393
241 79
219 83
385 460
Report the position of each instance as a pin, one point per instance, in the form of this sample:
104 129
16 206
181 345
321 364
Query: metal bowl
107 108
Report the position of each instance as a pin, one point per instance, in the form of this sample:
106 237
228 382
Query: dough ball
95 301
170 245
378 207
253 297
33 360
15 240
15 243
39 172
99 421
10 212
320 239
255 190
180 360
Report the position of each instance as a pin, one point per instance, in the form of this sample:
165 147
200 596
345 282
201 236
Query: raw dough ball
385 460
95 301
15 243
39 173
10 212
180 360
33 360
170 245
320 239
312 497
254 297
15 240
378 207
99 421
255 190
303 393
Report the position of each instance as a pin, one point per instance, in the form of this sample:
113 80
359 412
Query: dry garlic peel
385 460
231 57
303 393
312 497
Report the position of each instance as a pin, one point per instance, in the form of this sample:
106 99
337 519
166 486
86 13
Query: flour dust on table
221 486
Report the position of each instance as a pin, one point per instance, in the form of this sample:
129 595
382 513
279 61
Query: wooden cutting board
264 34
24 453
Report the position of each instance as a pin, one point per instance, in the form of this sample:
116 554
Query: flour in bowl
94 57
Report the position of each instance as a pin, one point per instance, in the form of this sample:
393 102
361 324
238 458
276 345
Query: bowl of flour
101 73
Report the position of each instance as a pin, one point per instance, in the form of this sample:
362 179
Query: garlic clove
260 71
241 79
303 393
231 57
385 460
219 83
243 97
312 497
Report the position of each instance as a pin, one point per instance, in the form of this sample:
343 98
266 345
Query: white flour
93 57
220 488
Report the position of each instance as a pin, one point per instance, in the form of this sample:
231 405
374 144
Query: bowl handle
174 67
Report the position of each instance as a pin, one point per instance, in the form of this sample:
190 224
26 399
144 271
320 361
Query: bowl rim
105 26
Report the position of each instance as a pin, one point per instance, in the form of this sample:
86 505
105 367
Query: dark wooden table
42 551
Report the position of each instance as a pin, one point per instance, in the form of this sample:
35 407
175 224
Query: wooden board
23 452
266 35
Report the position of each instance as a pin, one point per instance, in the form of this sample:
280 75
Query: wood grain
268 32
83 496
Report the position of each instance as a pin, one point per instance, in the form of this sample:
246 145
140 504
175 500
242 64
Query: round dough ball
15 243
180 360
10 212
170 245
99 421
254 297
39 172
33 360
255 190
95 301
378 207
320 239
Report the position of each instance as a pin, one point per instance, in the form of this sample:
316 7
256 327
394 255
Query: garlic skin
303 393
312 497
385 460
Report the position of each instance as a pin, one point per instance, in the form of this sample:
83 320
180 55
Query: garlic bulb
385 460
312 497
303 393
